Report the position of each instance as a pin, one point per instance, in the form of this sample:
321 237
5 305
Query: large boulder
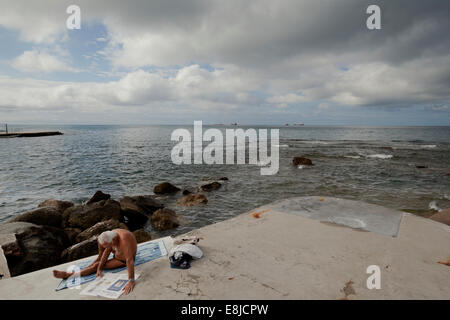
302 161
193 199
98 196
164 219
165 188
98 228
211 186
442 216
136 210
40 246
44 216
72 234
59 205
10 245
142 236
87 248
86 215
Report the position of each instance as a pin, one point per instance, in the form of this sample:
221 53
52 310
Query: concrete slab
354 214
271 254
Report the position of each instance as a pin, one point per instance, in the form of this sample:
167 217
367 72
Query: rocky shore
60 231
288 249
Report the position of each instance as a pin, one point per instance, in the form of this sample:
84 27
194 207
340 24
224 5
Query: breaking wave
380 156
433 206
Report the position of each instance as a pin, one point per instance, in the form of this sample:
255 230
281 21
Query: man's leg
110 264
114 263
86 271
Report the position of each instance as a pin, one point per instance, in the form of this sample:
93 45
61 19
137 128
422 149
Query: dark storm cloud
263 55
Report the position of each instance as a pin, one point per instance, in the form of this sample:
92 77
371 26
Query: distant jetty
30 134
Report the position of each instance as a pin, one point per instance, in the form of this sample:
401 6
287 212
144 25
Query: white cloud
33 61
37 21
287 98
191 87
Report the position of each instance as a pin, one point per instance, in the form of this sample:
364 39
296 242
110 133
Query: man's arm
103 259
130 267
100 253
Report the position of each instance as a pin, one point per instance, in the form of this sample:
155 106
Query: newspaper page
109 286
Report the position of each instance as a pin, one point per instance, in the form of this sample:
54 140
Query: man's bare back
126 247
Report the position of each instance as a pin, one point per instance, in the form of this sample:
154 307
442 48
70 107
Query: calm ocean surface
373 164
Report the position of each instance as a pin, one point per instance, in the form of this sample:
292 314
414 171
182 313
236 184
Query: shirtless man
122 244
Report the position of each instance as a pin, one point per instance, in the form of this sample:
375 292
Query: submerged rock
186 192
44 216
98 196
211 186
98 228
193 199
86 248
164 219
223 178
302 161
137 210
40 246
142 236
165 188
86 215
59 205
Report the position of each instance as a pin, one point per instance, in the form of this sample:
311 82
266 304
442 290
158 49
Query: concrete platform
272 253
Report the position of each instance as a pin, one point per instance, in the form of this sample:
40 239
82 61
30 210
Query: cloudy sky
250 61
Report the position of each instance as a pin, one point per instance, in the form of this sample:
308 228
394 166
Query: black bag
181 262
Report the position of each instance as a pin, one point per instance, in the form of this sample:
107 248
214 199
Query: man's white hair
107 237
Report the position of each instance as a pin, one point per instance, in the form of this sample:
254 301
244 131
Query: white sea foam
380 156
433 206
281 146
353 157
414 146
300 167
316 142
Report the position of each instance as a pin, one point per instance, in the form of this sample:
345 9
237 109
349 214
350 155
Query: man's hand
99 273
129 287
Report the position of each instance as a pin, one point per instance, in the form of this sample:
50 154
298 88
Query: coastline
270 254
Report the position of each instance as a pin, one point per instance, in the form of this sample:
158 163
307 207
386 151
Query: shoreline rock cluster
60 231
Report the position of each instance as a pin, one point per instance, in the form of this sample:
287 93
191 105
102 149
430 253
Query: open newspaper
109 286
